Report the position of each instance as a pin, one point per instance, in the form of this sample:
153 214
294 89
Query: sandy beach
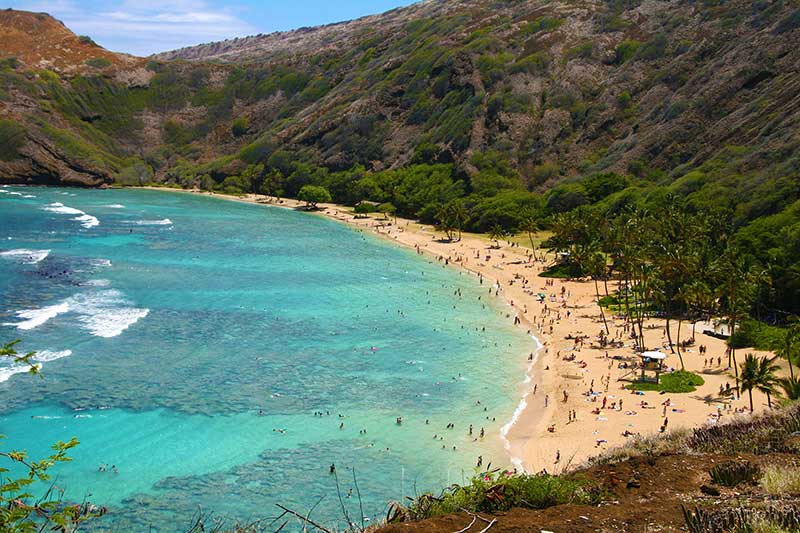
573 402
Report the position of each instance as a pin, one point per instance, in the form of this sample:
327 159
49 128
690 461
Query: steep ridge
553 90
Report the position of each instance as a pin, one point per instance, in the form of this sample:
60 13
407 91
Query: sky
143 27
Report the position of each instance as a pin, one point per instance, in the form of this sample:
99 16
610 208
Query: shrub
763 434
12 138
240 126
85 39
758 335
626 50
583 51
654 49
790 23
733 473
98 62
493 492
535 63
542 24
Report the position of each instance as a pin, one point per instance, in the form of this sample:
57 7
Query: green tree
495 234
313 195
595 266
738 279
791 388
759 373
788 347
530 225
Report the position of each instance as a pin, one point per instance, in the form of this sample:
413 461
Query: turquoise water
190 342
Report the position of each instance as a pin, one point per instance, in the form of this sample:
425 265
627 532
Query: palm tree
738 283
495 234
791 387
787 347
759 373
530 225
595 266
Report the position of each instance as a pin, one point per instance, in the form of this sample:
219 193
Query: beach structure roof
652 361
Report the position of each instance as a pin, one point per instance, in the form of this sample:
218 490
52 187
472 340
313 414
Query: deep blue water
189 341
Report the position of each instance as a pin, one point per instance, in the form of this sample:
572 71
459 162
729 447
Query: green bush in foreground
493 492
674 382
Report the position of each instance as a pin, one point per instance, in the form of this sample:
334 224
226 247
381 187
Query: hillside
39 41
508 106
555 88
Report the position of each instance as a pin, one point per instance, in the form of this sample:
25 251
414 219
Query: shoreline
511 448
538 436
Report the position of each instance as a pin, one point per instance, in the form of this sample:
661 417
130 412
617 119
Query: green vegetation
12 138
496 491
674 382
733 473
240 126
313 195
85 39
98 62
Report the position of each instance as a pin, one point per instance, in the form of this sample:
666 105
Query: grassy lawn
675 382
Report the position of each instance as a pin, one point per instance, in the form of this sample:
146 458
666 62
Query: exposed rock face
579 86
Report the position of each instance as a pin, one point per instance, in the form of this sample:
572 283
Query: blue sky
143 27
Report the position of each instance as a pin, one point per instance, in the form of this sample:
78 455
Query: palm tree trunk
769 400
736 371
602 314
789 359
533 247
678 343
669 336
751 397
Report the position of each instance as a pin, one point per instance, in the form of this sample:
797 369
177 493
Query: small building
652 362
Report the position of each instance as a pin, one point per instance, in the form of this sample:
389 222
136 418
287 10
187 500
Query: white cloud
144 27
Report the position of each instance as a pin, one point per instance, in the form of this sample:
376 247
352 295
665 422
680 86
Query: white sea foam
14 193
105 313
115 206
101 263
29 196
86 220
39 359
37 317
98 283
29 257
164 222
523 404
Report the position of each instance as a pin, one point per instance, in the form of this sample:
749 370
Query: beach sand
562 383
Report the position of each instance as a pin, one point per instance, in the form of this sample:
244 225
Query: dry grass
779 480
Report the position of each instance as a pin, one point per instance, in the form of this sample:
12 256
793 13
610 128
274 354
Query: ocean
218 357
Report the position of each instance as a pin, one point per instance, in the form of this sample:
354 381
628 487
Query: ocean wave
105 313
164 222
29 257
37 317
41 357
14 193
29 196
98 283
86 220
115 206
101 263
